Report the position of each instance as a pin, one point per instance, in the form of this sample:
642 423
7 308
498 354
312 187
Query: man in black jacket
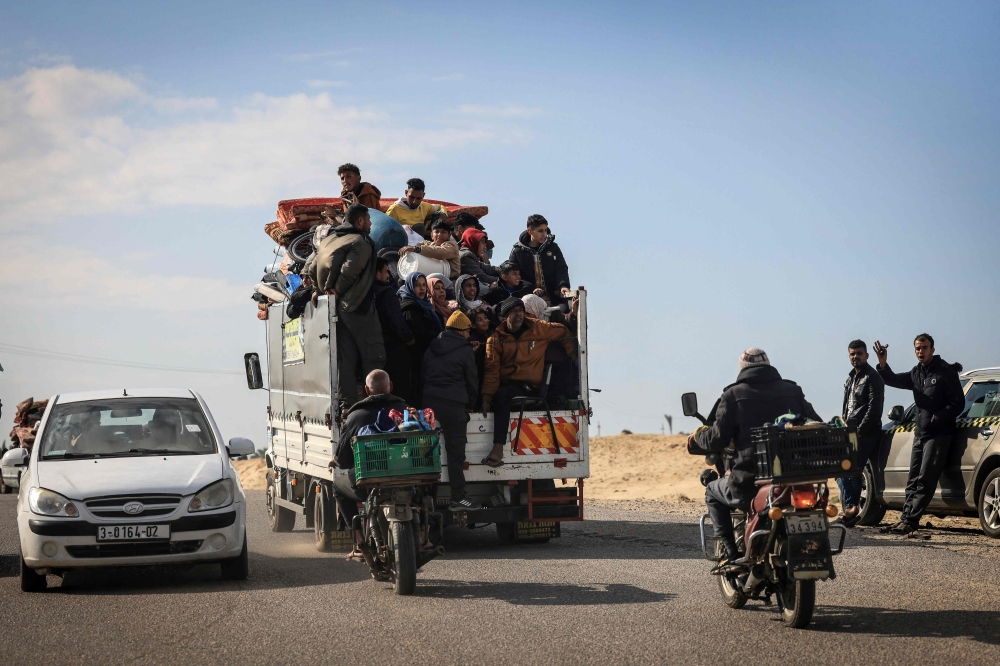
937 392
450 389
396 334
541 261
759 396
864 393
378 388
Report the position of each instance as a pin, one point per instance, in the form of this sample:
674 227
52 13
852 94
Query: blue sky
782 175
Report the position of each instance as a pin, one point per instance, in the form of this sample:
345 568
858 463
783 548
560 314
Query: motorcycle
784 535
397 530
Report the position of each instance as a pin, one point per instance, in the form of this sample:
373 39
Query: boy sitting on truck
516 355
441 246
411 210
510 285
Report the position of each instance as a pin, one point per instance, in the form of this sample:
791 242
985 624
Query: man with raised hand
937 392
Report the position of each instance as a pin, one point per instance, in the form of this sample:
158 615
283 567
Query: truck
539 486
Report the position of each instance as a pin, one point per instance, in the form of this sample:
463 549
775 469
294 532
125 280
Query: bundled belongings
279 235
304 214
26 419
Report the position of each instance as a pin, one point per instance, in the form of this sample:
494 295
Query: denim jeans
850 486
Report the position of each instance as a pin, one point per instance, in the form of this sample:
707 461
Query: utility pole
670 422
598 428
662 430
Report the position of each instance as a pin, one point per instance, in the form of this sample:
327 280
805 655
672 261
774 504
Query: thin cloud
81 141
73 277
449 77
325 83
509 111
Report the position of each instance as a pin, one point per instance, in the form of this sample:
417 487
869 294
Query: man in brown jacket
345 268
441 246
354 191
516 355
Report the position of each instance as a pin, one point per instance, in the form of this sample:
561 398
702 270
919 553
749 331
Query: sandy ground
251 473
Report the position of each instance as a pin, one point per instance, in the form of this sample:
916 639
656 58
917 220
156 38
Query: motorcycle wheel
404 565
728 585
798 599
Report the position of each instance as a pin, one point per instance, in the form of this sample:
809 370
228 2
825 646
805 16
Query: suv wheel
989 505
872 511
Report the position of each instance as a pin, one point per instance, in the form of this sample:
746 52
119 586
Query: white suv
134 477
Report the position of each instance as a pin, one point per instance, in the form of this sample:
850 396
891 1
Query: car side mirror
15 458
240 446
896 414
689 403
254 379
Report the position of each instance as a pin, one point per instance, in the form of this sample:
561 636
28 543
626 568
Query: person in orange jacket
516 355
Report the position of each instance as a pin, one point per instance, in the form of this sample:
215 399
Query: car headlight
47 503
215 496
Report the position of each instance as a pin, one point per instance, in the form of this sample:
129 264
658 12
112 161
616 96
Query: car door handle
987 432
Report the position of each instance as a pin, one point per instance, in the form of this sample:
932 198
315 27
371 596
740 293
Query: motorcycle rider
758 397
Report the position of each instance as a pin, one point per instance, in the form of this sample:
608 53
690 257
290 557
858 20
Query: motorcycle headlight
215 496
47 503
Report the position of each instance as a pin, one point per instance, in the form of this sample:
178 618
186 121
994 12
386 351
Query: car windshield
126 427
982 399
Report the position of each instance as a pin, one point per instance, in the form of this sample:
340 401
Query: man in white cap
759 396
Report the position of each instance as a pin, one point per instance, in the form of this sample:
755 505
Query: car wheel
989 505
31 580
237 568
872 511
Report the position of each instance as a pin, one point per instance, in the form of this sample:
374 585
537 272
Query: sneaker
462 505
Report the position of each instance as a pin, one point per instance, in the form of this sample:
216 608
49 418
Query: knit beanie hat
458 321
752 358
510 304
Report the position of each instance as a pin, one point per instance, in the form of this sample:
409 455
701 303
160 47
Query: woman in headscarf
467 294
472 255
482 328
535 307
425 324
439 298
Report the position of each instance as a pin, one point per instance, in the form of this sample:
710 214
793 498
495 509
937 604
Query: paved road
624 587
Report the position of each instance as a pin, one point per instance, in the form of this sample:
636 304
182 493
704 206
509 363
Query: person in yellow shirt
411 210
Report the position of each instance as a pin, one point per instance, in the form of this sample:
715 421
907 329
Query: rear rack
559 504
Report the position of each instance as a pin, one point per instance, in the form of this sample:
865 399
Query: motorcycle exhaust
752 582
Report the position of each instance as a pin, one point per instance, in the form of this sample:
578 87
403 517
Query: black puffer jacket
449 370
364 412
864 394
395 331
758 397
554 269
499 292
937 392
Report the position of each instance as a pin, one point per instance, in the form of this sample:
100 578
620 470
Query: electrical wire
17 350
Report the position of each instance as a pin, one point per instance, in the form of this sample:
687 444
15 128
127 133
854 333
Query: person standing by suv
864 393
937 392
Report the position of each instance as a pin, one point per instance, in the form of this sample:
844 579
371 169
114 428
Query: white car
134 477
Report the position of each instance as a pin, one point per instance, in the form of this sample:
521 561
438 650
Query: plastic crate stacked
397 456
801 454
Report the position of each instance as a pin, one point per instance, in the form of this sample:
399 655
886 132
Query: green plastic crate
396 454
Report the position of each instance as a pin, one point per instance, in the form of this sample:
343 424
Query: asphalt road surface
623 587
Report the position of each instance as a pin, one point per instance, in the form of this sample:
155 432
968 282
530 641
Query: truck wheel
279 518
31 581
989 505
798 599
872 511
323 515
505 533
4 488
404 565
237 568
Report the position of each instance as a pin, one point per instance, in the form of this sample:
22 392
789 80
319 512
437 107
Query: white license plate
132 532
808 524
